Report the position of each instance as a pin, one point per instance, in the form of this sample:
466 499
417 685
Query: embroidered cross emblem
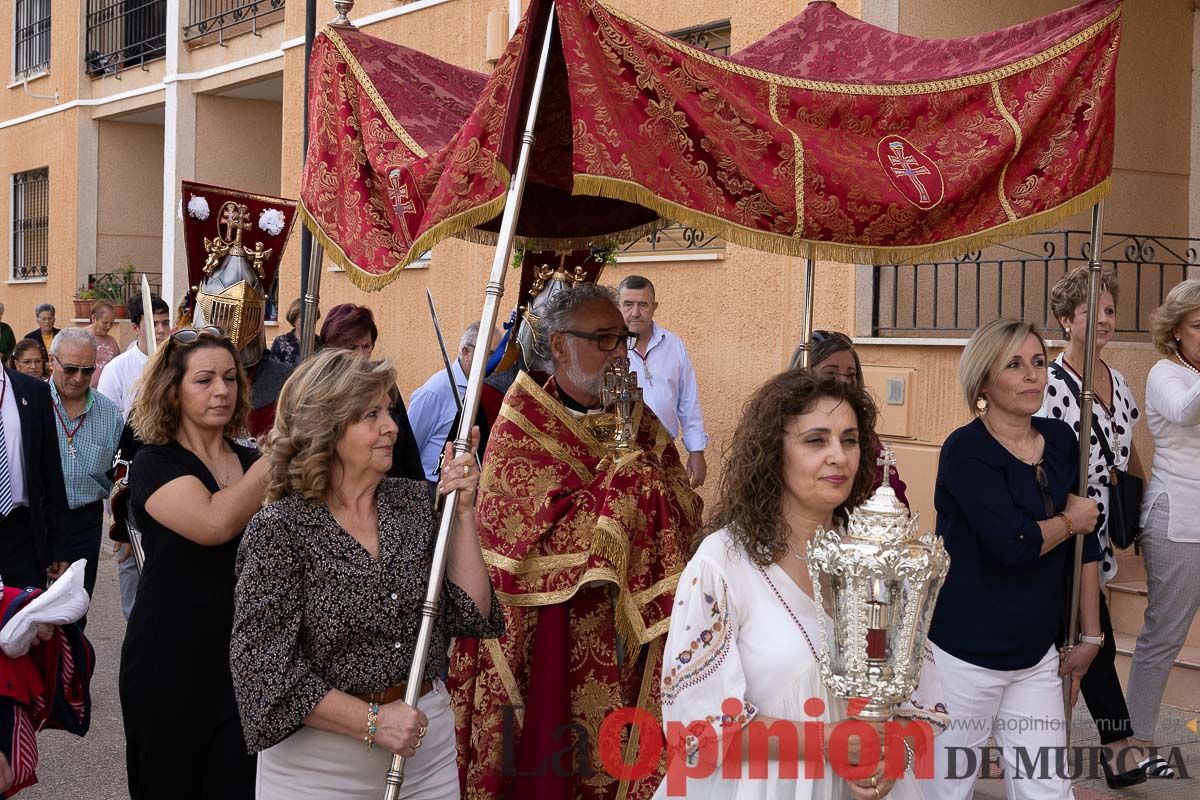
402 202
907 166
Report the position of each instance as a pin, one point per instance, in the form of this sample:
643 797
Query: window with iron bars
124 33
673 239
31 39
30 224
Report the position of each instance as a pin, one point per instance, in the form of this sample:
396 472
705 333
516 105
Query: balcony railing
952 298
122 287
124 33
673 239
214 20
31 48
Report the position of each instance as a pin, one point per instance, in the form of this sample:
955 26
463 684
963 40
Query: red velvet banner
829 138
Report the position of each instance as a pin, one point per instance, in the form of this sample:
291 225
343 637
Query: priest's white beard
581 380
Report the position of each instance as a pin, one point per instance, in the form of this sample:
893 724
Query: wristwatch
1096 640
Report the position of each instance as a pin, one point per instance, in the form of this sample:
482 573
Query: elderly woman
28 359
286 347
832 356
103 314
1170 536
1115 413
331 578
745 629
1008 518
351 327
192 491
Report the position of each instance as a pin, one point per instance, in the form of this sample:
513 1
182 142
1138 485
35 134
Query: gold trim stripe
507 678
369 86
653 657
889 89
797 160
546 441
534 564
605 574
1002 109
629 191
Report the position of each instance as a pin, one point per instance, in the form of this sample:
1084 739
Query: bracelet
1066 519
372 724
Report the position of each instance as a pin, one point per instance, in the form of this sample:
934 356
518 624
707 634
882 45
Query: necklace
1187 364
222 481
803 559
789 611
70 432
1010 448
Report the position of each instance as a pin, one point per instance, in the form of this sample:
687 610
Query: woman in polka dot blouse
1116 413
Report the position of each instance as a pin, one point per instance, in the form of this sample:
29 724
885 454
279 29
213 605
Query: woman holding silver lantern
331 581
742 645
1008 518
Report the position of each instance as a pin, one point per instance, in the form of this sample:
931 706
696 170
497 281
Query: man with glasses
583 543
664 373
89 429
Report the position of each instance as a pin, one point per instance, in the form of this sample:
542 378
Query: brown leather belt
393 693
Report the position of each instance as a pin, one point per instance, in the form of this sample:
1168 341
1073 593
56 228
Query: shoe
1121 780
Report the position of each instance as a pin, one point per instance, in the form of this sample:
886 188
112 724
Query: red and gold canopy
829 138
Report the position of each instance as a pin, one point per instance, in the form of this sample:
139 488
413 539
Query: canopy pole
1086 396
310 289
491 311
806 316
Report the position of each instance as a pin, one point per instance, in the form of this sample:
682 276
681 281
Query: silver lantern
883 577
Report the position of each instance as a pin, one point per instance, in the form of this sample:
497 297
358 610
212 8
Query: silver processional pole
491 310
806 317
1086 396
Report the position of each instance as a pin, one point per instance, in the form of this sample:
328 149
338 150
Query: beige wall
238 143
129 197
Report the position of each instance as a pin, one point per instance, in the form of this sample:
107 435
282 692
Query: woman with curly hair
743 640
192 490
331 579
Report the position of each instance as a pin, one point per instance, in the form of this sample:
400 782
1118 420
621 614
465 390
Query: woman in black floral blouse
331 578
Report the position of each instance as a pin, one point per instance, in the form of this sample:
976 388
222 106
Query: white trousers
1022 709
317 765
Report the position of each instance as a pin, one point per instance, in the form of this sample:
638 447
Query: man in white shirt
665 373
432 409
118 382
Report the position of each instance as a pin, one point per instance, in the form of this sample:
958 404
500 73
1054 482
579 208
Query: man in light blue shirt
665 373
89 430
432 409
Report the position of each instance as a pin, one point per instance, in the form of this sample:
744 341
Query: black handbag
1125 490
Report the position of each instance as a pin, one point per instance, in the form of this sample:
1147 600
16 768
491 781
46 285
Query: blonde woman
331 579
103 314
1006 512
1170 507
192 490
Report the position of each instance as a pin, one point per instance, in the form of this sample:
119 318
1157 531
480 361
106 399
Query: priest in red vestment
585 546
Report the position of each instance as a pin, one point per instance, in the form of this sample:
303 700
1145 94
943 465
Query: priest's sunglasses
606 342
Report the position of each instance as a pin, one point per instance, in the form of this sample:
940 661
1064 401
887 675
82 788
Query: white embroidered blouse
744 641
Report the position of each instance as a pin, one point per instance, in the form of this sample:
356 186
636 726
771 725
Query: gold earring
981 404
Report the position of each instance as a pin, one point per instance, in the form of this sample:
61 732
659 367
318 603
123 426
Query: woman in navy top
1008 518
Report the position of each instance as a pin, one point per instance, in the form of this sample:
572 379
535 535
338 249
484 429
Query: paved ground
94 767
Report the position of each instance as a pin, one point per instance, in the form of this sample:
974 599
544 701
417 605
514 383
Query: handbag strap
1105 451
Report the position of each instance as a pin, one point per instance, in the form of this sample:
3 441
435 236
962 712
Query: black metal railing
672 238
229 17
952 298
31 224
31 41
123 34
121 287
